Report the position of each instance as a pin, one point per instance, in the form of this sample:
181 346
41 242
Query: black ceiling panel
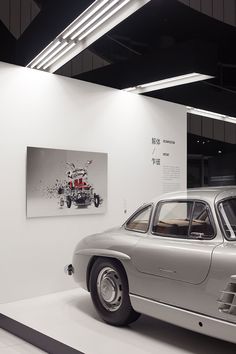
162 24
202 95
178 60
152 36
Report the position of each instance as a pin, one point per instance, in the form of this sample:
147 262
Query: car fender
103 253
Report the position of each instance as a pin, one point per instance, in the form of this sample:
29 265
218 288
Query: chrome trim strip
103 253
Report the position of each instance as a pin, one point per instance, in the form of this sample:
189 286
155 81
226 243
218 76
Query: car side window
201 225
227 209
173 219
140 221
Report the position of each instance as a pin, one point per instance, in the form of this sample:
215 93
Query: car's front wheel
110 292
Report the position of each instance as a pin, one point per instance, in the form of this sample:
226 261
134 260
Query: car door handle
167 270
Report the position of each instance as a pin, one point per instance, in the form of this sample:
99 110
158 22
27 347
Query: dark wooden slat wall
25 14
85 61
212 128
218 9
15 18
230 12
207 8
222 10
186 2
5 13
195 4
17 15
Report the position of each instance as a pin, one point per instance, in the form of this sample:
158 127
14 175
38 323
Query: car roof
203 193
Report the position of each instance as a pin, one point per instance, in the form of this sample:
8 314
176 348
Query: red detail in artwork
79 183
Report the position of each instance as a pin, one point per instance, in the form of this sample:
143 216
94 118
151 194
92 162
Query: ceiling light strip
170 82
56 46
58 49
99 23
94 22
213 115
53 45
69 47
88 13
95 18
130 89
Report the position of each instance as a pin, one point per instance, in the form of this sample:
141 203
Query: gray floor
70 317
10 344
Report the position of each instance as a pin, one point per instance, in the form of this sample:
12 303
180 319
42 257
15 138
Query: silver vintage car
174 259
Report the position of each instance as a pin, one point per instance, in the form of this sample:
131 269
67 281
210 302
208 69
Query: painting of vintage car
61 182
174 259
77 190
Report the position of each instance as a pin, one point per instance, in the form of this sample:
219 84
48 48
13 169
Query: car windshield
228 217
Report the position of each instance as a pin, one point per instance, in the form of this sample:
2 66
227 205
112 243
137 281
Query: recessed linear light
88 13
69 47
58 49
102 20
171 82
100 17
95 18
45 53
213 115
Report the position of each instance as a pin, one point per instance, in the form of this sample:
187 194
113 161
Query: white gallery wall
145 140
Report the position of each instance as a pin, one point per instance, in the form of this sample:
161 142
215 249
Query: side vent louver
227 301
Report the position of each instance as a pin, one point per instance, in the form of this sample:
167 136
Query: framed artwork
65 182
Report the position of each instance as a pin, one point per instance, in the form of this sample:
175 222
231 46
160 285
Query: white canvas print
65 182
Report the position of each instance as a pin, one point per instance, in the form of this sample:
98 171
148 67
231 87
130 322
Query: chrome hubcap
109 289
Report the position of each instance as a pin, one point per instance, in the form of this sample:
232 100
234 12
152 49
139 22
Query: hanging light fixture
100 17
170 82
213 115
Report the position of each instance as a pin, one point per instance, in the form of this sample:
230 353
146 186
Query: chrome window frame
219 217
138 211
187 237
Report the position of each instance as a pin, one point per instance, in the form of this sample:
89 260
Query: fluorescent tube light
100 17
58 49
104 19
69 47
81 19
45 52
213 115
94 19
181 78
130 89
170 82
